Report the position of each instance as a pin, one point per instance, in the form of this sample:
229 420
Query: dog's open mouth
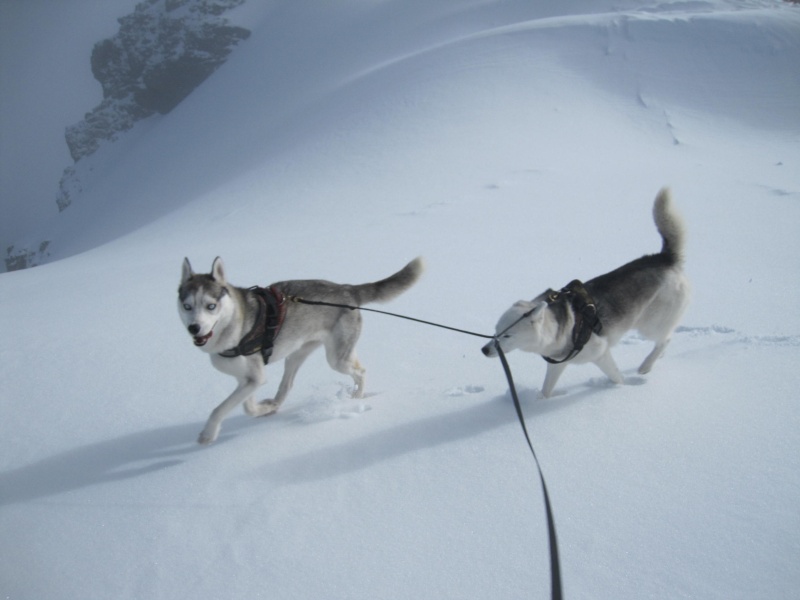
200 340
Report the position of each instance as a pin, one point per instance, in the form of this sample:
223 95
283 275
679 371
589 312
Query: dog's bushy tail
391 287
670 225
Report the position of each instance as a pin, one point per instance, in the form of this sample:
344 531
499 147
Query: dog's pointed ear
218 270
186 272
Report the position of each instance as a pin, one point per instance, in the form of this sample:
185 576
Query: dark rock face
162 52
22 258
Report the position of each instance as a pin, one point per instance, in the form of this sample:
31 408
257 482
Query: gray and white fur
218 315
649 294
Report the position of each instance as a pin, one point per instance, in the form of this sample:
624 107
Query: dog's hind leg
658 350
349 365
359 375
609 367
341 353
291 365
345 361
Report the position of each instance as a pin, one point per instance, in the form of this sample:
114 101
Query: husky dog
582 322
223 321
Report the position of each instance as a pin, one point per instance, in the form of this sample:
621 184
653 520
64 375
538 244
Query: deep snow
515 146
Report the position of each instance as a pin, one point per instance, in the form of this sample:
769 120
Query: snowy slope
516 146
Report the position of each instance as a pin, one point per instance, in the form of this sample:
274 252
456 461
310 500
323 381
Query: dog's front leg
249 374
244 390
554 371
291 365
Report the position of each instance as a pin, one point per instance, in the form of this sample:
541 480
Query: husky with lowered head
582 322
243 329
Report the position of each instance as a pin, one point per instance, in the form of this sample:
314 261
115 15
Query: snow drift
514 145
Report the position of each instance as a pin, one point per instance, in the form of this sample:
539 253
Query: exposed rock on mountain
162 52
22 258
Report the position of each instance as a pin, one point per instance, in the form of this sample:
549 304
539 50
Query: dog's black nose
194 329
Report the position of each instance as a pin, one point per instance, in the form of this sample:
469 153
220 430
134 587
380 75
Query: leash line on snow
555 564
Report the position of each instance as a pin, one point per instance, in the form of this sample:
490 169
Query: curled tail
391 287
670 225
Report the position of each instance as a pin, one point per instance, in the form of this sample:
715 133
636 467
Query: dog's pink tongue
201 340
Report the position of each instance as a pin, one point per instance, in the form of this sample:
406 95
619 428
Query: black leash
555 565
383 312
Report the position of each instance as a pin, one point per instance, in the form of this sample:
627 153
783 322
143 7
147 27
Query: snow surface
514 145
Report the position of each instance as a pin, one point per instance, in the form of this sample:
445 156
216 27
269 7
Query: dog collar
261 338
586 319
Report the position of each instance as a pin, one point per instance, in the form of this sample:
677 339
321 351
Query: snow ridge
340 141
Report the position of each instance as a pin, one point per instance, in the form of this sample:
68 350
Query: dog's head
521 327
203 301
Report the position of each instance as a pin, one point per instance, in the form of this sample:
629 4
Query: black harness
586 319
261 338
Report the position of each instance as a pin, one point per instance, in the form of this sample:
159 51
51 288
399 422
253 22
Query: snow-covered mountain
514 145
163 50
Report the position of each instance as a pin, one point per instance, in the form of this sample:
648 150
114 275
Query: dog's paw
261 409
540 395
208 435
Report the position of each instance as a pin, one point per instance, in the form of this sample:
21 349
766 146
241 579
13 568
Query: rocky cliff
163 51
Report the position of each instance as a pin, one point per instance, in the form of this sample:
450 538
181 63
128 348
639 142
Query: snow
515 146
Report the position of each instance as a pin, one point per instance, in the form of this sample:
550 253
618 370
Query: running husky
582 322
242 329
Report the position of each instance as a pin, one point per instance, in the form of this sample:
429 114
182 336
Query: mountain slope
514 147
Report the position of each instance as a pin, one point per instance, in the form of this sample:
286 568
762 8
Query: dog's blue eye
211 306
187 307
